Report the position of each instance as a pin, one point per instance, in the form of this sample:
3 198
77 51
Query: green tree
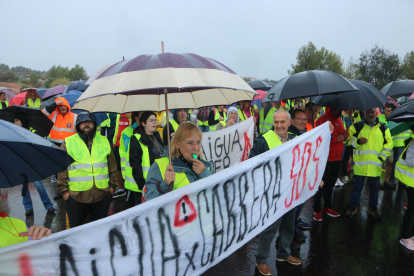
77 73
4 68
33 79
8 77
379 67
59 81
351 69
310 58
407 68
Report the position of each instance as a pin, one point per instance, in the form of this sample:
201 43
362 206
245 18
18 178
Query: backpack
360 125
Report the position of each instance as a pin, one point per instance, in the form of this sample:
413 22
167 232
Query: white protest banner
228 146
186 231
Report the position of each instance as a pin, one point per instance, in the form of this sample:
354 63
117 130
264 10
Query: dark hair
23 119
390 105
294 111
2 93
309 105
144 117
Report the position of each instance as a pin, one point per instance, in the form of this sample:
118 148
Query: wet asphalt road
340 246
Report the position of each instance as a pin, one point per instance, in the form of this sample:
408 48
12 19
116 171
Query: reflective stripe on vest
89 167
36 104
60 131
272 139
8 226
129 131
130 183
403 172
217 117
181 179
266 124
399 139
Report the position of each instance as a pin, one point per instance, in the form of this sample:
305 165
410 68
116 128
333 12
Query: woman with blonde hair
187 164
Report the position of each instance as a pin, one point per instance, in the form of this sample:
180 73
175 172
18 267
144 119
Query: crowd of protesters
128 159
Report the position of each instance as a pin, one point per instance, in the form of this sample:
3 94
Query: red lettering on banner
25 265
247 147
296 176
308 149
318 143
188 218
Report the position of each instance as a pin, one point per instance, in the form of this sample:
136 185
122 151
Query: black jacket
294 130
135 154
260 145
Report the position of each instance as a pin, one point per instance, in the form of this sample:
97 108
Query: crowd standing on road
128 160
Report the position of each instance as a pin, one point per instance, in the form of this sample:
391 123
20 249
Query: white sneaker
408 243
345 179
339 183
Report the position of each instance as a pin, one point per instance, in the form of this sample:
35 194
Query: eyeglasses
152 120
301 119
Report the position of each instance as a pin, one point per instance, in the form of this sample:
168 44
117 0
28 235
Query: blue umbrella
27 157
76 85
72 97
41 91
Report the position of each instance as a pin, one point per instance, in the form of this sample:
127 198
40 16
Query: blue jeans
27 200
397 153
373 183
204 128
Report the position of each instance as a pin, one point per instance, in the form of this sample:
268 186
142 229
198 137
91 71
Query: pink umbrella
9 93
261 95
412 96
391 100
54 91
18 99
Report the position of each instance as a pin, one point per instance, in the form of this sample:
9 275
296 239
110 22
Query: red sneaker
330 212
317 216
406 206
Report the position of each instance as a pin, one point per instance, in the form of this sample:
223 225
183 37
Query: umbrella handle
161 191
25 184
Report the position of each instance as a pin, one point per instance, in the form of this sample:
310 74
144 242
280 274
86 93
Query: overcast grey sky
254 38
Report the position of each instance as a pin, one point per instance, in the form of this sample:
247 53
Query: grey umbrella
398 88
259 85
309 83
367 97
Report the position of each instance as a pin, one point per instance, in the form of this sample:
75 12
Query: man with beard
372 144
87 184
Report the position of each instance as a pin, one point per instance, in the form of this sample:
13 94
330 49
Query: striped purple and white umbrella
139 84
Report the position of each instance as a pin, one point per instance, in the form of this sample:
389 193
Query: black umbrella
37 120
259 85
27 157
367 97
403 113
398 88
309 83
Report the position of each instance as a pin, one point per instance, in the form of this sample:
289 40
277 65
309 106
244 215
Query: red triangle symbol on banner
188 210
247 147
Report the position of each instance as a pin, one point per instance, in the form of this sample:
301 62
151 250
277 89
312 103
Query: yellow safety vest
366 162
272 139
175 125
107 122
181 179
403 172
129 131
217 116
6 102
8 227
243 116
200 123
89 167
130 183
36 104
399 139
266 124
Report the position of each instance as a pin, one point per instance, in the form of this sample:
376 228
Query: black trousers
77 211
407 230
133 199
348 153
329 178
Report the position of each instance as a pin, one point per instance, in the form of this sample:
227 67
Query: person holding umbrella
32 99
3 102
88 183
21 120
144 148
180 116
372 144
187 164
